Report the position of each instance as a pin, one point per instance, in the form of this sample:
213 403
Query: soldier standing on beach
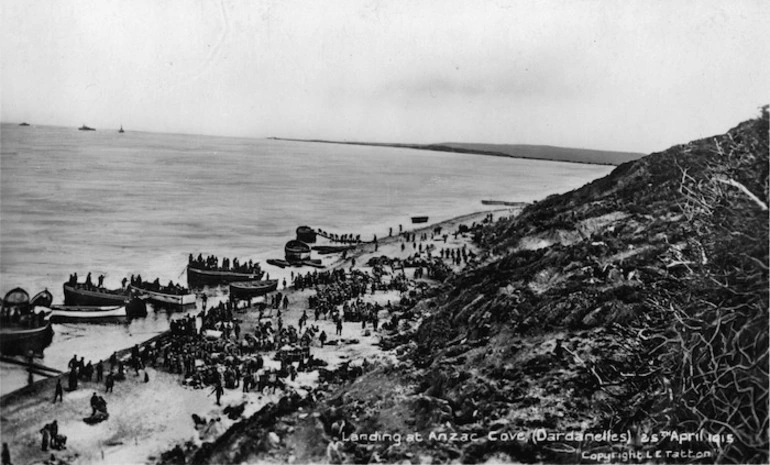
73 379
6 454
46 435
58 392
219 390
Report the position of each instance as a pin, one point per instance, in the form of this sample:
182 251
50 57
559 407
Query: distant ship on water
85 128
121 129
24 124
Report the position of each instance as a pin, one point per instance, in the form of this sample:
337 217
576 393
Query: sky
633 75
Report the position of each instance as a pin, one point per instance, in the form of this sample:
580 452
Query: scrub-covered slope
625 321
636 303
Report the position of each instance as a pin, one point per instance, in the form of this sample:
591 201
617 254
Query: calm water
121 204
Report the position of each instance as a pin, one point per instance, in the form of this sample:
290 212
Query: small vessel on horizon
85 128
24 124
121 131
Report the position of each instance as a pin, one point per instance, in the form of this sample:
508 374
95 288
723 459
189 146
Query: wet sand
149 418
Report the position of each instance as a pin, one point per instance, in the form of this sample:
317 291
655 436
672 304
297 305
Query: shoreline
67 336
27 409
448 148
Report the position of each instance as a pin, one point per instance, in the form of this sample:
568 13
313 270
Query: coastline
128 436
471 149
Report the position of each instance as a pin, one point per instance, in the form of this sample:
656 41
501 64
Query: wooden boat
42 299
296 251
20 341
419 219
28 333
199 277
278 262
84 314
24 124
249 289
135 308
314 263
327 249
162 297
81 295
85 128
306 234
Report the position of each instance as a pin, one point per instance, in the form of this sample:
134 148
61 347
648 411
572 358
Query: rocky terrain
625 321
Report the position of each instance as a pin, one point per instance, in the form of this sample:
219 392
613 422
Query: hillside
537 152
625 321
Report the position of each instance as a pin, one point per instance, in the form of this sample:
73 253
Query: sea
139 202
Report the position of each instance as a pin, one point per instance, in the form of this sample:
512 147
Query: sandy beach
147 419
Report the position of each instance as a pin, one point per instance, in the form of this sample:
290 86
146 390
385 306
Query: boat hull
296 251
306 235
330 249
278 262
85 297
197 277
180 300
248 290
419 219
70 314
42 299
22 341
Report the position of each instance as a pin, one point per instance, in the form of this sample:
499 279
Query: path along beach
149 418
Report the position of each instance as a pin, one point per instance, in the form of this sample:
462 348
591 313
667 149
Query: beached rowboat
296 251
165 297
278 262
19 341
82 295
327 249
306 234
199 277
22 327
42 299
419 219
315 263
249 289
83 314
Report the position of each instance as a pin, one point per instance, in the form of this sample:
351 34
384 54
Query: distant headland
537 152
